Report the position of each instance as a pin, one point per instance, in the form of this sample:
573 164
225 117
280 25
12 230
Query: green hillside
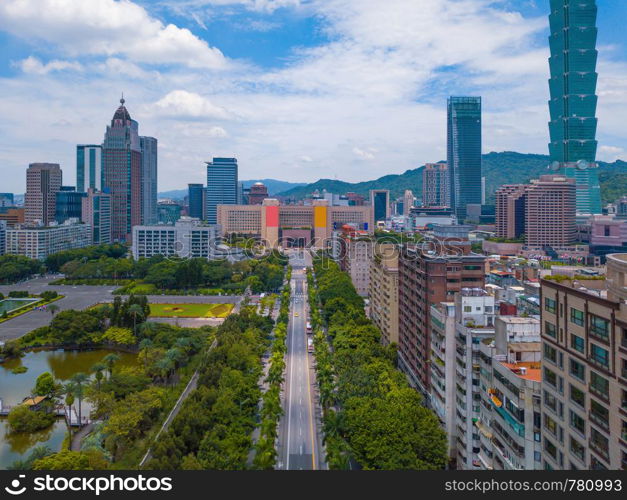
498 168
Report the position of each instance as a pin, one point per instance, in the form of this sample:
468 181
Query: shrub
23 419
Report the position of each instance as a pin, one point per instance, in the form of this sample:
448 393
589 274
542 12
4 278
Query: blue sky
295 89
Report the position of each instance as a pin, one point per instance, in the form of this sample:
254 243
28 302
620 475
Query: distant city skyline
298 90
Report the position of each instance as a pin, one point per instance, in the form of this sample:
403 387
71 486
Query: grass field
190 310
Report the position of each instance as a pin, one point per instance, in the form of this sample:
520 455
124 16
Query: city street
299 442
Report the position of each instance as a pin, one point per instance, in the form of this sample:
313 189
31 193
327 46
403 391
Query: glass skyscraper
68 204
573 101
88 167
149 179
195 195
464 153
222 186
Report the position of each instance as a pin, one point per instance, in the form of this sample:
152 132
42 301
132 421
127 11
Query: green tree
98 369
110 360
63 460
79 379
45 385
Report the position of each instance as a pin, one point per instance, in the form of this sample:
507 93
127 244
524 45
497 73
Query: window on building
549 305
599 355
550 353
599 414
467 309
549 329
577 449
599 385
577 343
577 422
550 448
577 396
599 442
577 370
599 327
550 377
576 316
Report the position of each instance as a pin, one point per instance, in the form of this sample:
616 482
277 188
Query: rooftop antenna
122 101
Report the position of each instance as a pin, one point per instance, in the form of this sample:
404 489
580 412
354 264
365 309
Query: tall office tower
258 192
573 98
43 180
408 201
68 204
464 153
426 279
195 195
88 167
121 173
222 186
584 371
435 185
550 212
148 147
380 201
96 213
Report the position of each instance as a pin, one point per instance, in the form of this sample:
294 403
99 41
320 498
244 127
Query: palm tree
79 379
164 367
69 390
110 360
135 310
106 311
98 368
148 329
53 308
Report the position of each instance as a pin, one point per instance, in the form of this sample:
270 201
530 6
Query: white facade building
39 242
187 238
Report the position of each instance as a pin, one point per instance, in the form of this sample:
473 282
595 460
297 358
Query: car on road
296 314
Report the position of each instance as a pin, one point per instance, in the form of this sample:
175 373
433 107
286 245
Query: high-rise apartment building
3 236
435 185
222 186
508 425
573 101
383 291
584 377
356 254
427 278
550 212
122 173
408 202
195 199
543 211
464 153
148 147
88 167
380 201
43 181
96 213
474 322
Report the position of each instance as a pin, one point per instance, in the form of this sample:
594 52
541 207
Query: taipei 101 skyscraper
573 101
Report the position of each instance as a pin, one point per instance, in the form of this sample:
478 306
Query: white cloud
184 104
306 159
365 154
35 66
611 153
107 27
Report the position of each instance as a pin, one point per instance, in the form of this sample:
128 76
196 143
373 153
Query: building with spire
573 101
122 173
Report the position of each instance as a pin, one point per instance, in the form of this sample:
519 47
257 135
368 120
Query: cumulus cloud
365 154
184 104
35 66
611 153
107 27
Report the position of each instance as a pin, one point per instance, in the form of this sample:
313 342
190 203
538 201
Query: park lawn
190 310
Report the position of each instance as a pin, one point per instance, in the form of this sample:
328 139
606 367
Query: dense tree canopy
18 267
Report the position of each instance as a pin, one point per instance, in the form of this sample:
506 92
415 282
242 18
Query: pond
8 305
15 387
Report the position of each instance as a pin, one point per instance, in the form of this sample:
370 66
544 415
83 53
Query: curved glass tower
573 101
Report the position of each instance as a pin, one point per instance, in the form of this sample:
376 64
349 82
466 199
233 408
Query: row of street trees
371 415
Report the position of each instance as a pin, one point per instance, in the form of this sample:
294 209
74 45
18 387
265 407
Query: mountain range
498 168
274 186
